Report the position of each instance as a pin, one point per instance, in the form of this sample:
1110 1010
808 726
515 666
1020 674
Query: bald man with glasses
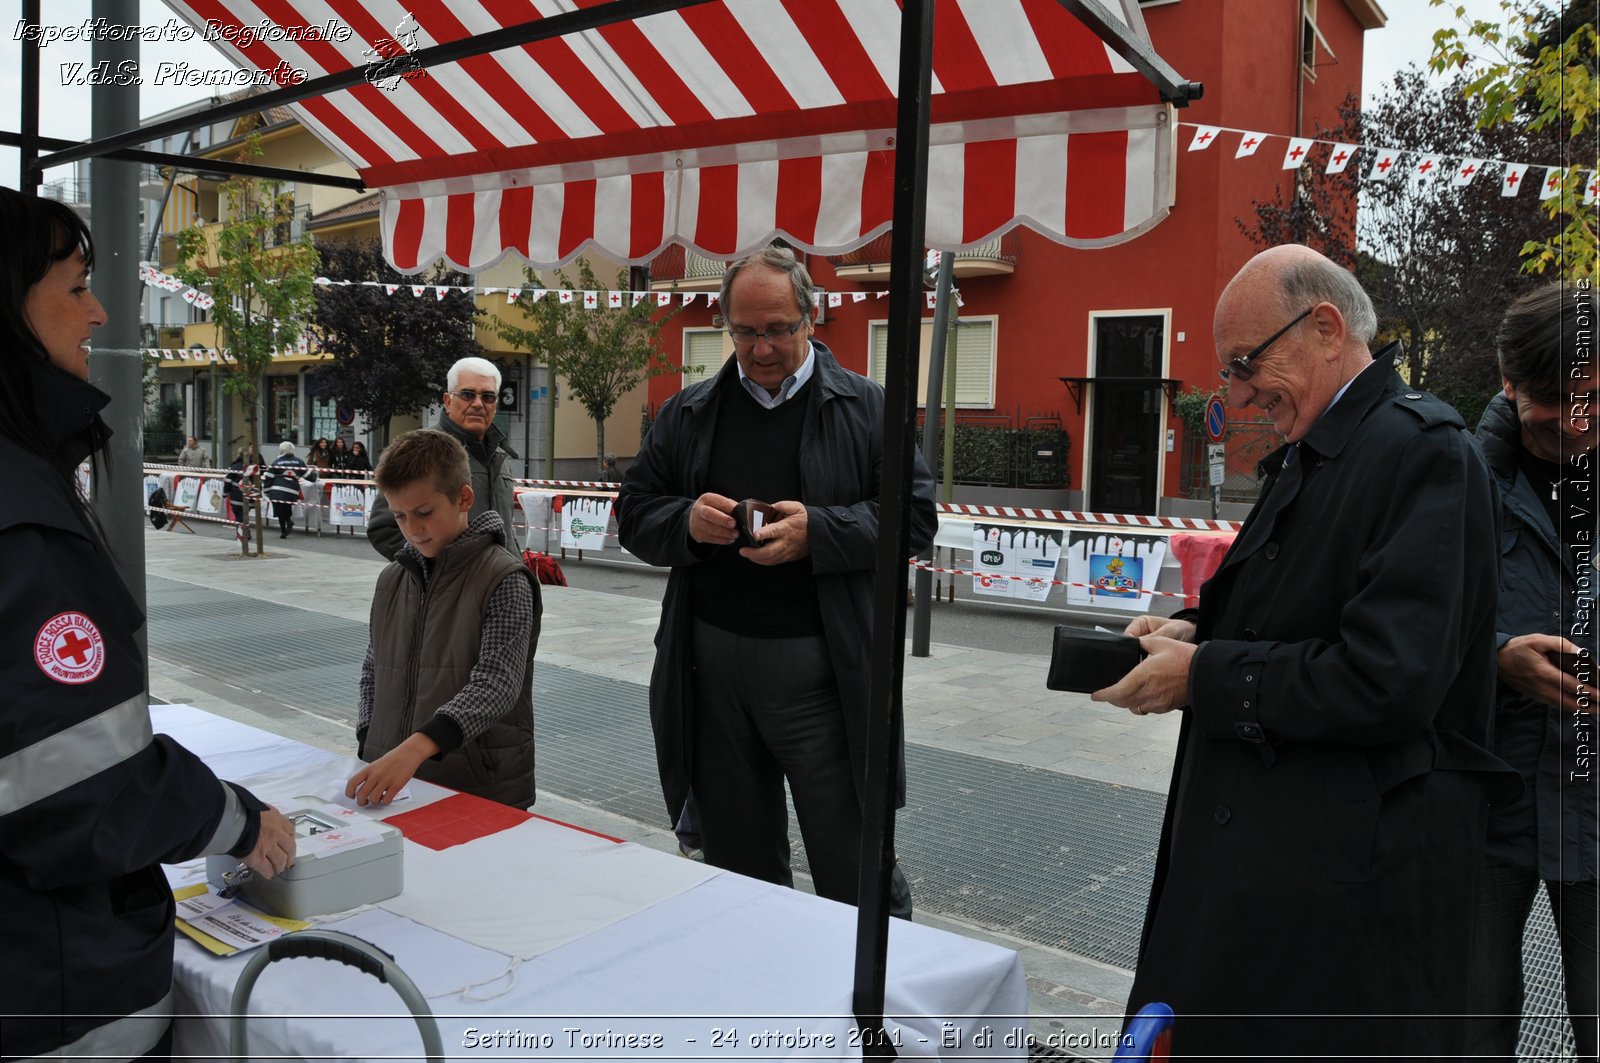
472 394
1314 888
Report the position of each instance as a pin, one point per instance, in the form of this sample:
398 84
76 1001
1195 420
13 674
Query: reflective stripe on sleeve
68 757
126 1038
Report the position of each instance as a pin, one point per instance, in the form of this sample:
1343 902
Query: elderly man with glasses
472 391
761 670
1314 888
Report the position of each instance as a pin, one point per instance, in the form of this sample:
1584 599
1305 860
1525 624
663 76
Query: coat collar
1332 432
493 439
828 375
68 409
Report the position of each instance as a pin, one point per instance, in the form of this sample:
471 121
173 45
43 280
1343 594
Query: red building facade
1102 340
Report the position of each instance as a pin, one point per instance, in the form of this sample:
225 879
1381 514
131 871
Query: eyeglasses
1239 368
468 396
746 337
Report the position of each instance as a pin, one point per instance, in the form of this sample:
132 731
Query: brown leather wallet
751 516
1086 661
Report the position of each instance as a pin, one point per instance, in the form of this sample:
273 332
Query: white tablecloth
716 965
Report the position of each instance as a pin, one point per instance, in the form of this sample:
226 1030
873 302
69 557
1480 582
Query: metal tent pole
922 614
884 726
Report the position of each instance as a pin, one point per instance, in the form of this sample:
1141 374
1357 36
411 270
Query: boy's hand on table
380 782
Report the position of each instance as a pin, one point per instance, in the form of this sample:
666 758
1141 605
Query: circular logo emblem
70 649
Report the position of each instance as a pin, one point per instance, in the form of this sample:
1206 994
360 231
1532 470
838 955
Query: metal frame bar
29 174
1173 88
885 726
454 51
195 164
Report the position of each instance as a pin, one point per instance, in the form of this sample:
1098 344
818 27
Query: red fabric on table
1199 556
456 820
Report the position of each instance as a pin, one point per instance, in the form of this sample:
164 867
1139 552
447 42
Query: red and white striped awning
720 126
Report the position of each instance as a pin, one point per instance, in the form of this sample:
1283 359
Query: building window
202 401
975 359
283 409
324 417
704 351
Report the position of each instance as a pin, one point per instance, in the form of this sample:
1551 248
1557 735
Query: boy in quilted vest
447 682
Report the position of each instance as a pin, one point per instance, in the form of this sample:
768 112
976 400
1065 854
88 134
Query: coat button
1413 395
1222 814
1250 633
1271 551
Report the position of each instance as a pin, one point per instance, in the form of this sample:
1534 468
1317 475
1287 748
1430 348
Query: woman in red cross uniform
91 803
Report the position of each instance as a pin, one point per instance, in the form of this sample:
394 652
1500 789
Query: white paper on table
568 884
439 964
228 921
334 795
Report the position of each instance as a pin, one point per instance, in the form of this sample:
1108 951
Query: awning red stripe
1129 90
565 68
877 191
1097 184
460 222
838 49
649 213
990 193
409 219
652 71
738 57
492 78
958 62
716 225
319 108
381 104
577 217
799 197
1070 47
516 219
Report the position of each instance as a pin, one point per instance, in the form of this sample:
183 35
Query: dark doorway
1126 429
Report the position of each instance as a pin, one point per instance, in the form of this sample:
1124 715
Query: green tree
1537 69
1440 261
391 353
602 352
261 278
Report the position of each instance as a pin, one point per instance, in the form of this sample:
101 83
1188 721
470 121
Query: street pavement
989 706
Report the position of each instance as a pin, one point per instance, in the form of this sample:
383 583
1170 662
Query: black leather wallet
1086 661
751 515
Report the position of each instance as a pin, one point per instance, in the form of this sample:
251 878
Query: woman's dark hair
1545 335
39 233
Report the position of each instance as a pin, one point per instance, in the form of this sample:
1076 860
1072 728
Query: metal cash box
342 861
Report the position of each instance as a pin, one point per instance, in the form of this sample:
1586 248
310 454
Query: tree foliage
1440 261
391 353
261 278
1538 69
602 352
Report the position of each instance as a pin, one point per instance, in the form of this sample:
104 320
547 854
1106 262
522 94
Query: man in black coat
1314 887
761 670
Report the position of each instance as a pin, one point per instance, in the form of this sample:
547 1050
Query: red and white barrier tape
1076 517
1035 580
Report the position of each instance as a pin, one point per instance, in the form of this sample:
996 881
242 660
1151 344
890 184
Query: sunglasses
468 396
1239 368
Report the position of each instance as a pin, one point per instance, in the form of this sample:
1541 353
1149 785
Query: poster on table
350 504
186 492
1111 570
584 519
152 484
210 499
1014 561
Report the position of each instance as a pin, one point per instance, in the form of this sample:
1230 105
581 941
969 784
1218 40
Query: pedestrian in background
608 470
283 489
339 456
1539 436
358 461
192 456
320 456
91 802
472 391
1314 887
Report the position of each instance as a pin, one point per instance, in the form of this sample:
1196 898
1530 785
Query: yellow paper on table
226 927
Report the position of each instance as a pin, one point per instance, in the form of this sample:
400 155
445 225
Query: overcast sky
1406 39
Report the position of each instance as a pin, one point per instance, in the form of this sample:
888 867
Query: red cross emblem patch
70 649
